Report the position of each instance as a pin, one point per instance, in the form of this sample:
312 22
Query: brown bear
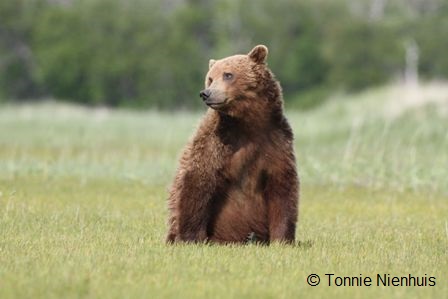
237 176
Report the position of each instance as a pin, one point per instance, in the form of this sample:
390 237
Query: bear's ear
258 54
211 62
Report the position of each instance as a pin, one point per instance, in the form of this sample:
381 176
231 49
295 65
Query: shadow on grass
306 244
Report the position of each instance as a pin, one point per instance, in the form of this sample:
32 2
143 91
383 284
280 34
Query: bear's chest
245 168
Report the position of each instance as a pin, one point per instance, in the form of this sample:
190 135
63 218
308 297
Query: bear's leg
281 196
172 229
170 238
192 199
282 223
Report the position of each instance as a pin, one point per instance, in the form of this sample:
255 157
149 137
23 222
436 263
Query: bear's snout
215 99
205 94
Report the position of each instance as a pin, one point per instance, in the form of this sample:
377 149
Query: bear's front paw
195 237
170 238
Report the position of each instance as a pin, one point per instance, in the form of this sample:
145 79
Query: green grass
83 205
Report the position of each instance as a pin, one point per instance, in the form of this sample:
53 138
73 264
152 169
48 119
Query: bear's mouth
216 105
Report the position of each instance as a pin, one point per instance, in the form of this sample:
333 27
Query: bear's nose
205 94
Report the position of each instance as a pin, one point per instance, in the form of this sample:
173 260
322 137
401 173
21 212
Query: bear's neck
248 127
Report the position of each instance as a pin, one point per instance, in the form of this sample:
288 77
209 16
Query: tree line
155 53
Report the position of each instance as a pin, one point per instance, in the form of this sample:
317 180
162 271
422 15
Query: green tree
17 61
361 54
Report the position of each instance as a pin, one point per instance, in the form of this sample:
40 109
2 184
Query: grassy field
83 204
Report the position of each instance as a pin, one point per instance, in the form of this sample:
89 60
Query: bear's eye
210 80
227 76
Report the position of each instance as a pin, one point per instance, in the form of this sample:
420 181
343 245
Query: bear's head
240 85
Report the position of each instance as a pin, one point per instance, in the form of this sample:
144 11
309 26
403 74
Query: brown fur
237 176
